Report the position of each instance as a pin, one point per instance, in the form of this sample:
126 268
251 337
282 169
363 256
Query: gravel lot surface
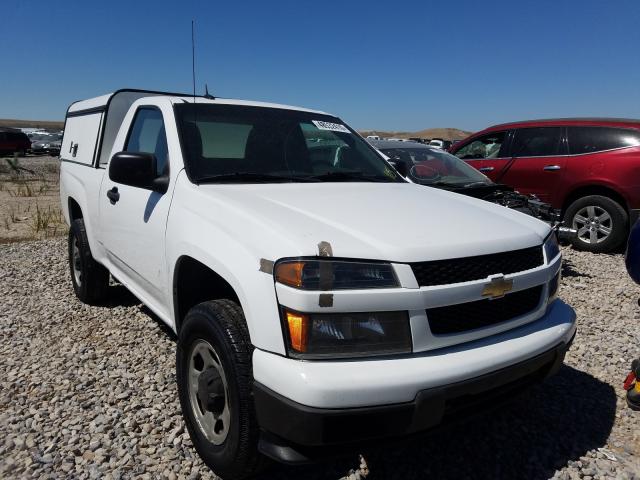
89 392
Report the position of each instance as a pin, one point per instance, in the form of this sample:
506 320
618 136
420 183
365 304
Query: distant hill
48 124
444 133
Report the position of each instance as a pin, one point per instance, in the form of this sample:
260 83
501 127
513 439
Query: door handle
486 169
113 195
552 168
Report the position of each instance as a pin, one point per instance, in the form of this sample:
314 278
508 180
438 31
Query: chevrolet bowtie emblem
497 287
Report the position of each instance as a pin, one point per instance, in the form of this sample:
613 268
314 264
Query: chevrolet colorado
319 298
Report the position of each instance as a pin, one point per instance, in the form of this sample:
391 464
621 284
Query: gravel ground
89 392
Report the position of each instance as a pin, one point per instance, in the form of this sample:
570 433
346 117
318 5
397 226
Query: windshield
429 166
244 144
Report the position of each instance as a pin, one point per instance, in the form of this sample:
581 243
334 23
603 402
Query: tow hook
632 386
566 233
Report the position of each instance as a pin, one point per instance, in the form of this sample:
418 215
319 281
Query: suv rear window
15 136
597 139
536 142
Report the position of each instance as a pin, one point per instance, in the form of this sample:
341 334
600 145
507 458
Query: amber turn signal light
290 273
298 330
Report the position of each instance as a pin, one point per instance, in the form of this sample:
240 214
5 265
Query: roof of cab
102 101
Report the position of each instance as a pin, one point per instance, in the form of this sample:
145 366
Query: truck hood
400 222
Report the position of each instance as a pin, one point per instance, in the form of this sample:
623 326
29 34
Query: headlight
340 335
551 246
334 274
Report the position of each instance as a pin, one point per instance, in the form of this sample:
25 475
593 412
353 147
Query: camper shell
91 125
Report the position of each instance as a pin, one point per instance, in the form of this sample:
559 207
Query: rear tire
89 278
602 223
213 360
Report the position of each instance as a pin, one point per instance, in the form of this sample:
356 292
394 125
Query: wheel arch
75 211
594 189
195 282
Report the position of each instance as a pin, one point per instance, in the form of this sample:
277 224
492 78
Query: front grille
456 270
482 313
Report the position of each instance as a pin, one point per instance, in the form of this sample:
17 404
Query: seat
268 152
263 153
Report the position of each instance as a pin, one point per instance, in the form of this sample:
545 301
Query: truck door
133 219
538 161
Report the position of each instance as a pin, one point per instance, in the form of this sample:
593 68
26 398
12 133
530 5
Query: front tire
90 279
602 223
214 376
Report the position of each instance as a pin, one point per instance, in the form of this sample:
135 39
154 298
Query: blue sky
403 65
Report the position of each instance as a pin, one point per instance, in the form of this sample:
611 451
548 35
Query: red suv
588 168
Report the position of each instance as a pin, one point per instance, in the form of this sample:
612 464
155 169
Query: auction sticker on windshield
334 127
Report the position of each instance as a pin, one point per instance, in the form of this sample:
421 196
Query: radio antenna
207 95
193 59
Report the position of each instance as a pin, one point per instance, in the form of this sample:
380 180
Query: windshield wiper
476 184
251 177
440 183
346 176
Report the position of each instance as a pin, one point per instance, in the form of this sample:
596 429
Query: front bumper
293 432
391 380
309 404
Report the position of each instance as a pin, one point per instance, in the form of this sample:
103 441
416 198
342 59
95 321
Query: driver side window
147 135
486 146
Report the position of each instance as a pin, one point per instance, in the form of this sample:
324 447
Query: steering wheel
425 172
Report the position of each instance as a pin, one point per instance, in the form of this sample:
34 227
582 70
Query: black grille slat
456 270
482 313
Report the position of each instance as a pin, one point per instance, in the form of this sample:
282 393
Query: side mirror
137 169
400 166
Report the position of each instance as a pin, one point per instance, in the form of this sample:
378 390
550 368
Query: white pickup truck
319 299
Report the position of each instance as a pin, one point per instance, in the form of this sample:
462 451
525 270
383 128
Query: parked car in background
632 256
46 144
13 141
440 143
434 167
588 168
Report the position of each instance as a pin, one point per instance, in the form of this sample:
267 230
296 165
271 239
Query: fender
80 182
194 235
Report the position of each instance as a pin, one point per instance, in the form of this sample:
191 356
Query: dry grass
29 199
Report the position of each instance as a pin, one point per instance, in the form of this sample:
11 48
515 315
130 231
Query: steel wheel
208 392
76 262
593 223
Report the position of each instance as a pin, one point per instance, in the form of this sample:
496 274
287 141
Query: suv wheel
89 278
214 375
600 221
